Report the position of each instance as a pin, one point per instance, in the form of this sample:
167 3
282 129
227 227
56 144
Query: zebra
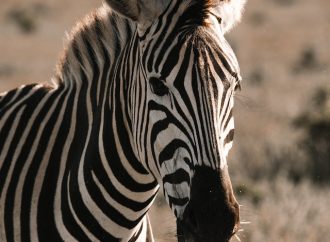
142 98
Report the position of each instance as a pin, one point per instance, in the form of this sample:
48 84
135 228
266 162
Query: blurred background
280 164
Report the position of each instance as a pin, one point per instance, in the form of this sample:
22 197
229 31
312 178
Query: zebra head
183 126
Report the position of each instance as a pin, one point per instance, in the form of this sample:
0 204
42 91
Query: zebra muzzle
212 213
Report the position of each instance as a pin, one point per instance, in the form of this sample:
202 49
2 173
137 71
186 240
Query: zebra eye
158 87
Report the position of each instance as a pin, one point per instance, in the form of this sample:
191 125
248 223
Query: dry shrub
308 61
26 18
257 19
286 213
256 77
307 157
285 2
6 70
315 143
23 19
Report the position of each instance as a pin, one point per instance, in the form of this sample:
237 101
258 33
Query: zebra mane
106 31
102 32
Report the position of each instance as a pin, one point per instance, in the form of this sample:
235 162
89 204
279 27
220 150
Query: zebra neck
93 48
88 67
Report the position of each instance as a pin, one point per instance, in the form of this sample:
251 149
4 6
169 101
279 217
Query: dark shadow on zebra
142 97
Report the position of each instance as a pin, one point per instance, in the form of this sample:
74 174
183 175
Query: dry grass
283 49
286 213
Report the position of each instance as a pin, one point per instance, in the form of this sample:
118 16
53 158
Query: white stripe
64 233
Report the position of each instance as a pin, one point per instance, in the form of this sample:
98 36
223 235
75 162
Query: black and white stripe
130 108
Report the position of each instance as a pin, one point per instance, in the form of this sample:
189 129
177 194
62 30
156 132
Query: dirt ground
283 50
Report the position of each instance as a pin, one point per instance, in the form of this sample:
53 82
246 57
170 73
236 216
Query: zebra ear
230 12
140 11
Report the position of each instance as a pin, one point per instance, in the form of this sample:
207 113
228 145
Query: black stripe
92 58
177 201
230 136
170 149
178 177
5 99
230 115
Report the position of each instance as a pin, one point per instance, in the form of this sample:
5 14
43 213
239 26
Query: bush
308 62
23 19
27 18
315 143
307 157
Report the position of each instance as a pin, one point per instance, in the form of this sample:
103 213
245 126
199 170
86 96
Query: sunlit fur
230 11
81 158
